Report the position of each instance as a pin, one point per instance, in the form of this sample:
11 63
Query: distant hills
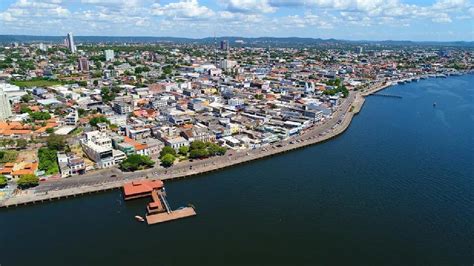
260 41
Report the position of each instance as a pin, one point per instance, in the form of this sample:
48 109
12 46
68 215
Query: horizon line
243 37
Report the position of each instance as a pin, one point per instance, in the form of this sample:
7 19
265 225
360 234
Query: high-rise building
42 47
5 107
83 64
109 55
361 50
70 43
224 45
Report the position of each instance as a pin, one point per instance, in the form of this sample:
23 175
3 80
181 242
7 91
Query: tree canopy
27 181
201 149
107 95
56 142
167 160
98 119
3 181
48 161
136 162
167 150
40 116
184 150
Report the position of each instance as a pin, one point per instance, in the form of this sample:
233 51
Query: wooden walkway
165 217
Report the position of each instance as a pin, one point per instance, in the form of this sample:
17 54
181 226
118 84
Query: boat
139 218
434 104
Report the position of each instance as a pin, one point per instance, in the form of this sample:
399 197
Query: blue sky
434 20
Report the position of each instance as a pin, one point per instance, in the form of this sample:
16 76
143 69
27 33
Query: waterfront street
112 178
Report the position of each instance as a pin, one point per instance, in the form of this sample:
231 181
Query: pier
387 95
158 211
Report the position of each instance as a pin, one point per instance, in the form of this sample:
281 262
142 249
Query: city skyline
416 20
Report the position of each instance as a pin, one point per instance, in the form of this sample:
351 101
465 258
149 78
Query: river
397 188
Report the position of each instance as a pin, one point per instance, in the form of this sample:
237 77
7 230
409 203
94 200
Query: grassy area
77 131
36 83
48 161
8 156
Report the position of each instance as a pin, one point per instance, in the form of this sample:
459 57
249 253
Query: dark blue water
397 188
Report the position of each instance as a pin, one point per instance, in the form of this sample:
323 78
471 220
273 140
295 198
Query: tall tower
5 107
70 43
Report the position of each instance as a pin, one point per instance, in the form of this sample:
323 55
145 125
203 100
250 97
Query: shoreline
335 126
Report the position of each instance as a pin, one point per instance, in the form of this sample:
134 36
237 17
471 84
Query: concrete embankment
338 124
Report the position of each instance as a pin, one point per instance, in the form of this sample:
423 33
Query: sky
417 20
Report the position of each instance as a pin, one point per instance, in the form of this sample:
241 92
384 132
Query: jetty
158 210
387 95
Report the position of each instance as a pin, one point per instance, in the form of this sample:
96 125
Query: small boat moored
139 218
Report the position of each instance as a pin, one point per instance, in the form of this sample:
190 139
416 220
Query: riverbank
335 126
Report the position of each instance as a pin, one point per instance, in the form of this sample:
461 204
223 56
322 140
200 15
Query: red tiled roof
140 187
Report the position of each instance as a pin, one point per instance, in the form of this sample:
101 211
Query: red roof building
142 188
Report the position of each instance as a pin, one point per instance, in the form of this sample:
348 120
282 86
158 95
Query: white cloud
250 6
238 17
185 9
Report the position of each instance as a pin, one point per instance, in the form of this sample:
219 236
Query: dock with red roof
158 210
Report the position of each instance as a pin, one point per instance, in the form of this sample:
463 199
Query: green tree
215 149
81 112
40 116
198 153
55 142
167 150
3 181
21 143
8 155
107 95
98 119
25 109
28 181
26 98
48 161
167 160
184 150
50 130
195 145
136 162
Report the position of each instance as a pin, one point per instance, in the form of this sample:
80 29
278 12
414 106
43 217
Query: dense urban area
75 115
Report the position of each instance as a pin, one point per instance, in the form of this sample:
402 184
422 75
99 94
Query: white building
109 55
70 43
98 147
5 107
228 64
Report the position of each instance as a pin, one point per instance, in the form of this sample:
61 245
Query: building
228 64
70 43
83 64
176 142
5 107
224 45
72 118
122 108
98 147
109 55
70 165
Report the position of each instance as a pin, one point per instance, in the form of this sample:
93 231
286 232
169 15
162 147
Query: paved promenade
108 179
